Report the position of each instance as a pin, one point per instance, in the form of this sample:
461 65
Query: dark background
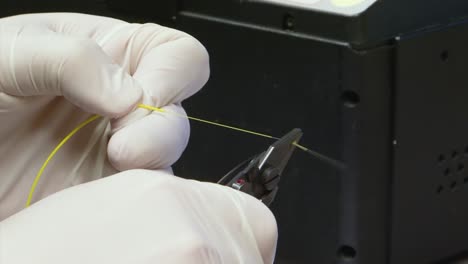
383 92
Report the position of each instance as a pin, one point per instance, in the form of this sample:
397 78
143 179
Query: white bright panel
344 7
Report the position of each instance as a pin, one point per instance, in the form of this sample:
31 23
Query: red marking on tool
241 181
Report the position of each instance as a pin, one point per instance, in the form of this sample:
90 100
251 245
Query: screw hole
460 167
444 56
346 253
288 22
454 154
350 98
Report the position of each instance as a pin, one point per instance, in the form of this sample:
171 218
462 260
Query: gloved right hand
140 217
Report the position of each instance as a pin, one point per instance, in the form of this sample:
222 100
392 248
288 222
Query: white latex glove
57 69
141 217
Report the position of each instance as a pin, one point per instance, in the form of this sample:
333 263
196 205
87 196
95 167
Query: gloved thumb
41 62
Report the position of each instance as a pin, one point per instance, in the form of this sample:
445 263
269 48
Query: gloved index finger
169 65
171 71
48 63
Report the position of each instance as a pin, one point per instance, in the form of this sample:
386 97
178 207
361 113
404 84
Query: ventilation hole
350 98
465 180
447 172
460 167
444 56
288 22
453 186
440 189
466 151
346 253
454 154
441 157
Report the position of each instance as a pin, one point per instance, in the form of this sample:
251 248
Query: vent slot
453 173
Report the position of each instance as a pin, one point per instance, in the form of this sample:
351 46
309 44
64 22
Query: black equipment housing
384 91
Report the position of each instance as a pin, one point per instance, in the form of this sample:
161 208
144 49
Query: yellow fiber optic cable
52 154
206 121
152 108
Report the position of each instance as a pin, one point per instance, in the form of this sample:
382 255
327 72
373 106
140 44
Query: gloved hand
141 217
57 69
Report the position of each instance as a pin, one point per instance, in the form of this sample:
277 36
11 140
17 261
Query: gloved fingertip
92 81
153 142
122 92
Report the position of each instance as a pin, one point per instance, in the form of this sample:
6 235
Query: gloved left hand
58 69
